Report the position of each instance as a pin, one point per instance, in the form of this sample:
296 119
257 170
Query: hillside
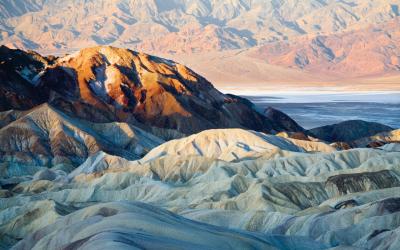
151 90
107 84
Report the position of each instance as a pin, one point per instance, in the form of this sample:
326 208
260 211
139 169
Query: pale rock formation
133 225
343 198
392 136
45 137
227 145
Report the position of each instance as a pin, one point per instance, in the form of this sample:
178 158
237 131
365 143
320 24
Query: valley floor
318 108
236 72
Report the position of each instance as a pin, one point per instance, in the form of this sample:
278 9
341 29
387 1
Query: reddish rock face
128 86
106 84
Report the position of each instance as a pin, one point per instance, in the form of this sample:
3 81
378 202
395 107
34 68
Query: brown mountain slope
128 86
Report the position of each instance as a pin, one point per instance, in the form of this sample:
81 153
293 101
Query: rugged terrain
259 190
183 23
112 148
108 84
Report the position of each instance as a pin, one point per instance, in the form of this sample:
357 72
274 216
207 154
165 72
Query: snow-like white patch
36 79
98 86
26 73
92 164
69 57
110 77
105 78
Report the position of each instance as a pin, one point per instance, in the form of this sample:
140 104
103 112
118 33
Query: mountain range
324 40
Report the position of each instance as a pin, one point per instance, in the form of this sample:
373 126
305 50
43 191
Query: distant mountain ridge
231 24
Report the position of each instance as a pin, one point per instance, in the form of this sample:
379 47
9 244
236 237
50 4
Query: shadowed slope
151 90
17 70
45 137
283 120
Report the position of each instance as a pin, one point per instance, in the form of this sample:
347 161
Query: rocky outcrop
348 131
379 140
361 182
17 70
223 144
107 84
134 86
46 137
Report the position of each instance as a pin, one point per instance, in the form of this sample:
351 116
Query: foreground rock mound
380 140
223 144
245 180
133 225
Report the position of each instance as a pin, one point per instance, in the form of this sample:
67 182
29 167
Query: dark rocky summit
349 131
